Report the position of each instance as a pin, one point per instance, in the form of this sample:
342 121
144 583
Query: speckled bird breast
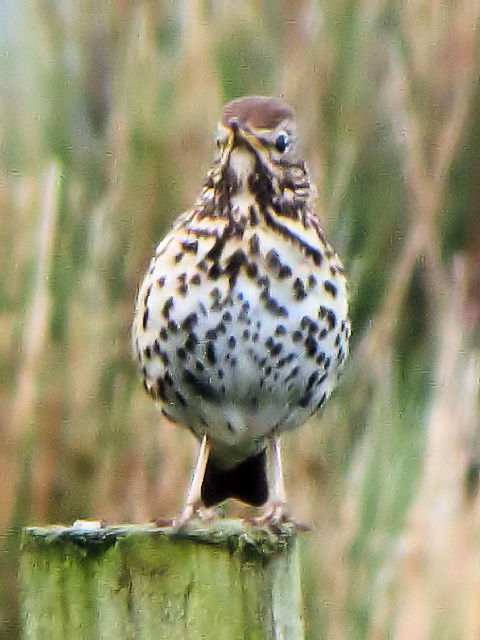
241 326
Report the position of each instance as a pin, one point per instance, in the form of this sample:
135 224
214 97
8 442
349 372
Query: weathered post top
133 582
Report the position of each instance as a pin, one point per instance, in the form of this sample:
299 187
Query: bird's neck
245 184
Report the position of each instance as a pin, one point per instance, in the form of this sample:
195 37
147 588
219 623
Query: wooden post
224 580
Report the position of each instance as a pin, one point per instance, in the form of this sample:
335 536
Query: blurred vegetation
107 113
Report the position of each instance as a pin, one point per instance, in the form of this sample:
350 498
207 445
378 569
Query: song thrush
241 324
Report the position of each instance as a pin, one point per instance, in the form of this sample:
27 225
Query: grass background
107 114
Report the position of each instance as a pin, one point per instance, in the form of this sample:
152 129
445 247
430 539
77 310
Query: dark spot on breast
203 265
330 288
299 289
280 330
215 293
287 359
263 281
161 282
199 366
147 352
179 257
272 259
195 279
273 306
254 245
285 272
252 269
312 379
297 336
211 353
315 254
191 246
190 321
305 400
211 334
191 342
233 265
181 353
168 378
172 326
306 322
327 314
145 319
227 316
231 342
163 334
167 307
253 216
200 387
276 349
215 271
310 345
331 319
292 373
312 281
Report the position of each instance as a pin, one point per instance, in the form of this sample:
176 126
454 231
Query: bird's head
263 126
258 152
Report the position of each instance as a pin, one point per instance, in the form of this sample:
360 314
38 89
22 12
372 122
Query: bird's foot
193 511
275 516
163 522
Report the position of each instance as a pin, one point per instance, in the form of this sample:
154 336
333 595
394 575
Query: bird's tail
246 482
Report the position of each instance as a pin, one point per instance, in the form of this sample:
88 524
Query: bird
241 325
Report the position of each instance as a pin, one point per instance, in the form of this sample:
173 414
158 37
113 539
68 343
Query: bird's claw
275 516
193 511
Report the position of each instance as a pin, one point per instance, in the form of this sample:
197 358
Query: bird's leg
193 502
276 509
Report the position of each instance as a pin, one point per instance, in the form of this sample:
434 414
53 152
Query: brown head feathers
259 112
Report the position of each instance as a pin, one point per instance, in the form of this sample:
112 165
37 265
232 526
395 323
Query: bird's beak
235 132
240 134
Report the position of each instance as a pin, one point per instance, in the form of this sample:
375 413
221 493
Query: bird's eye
282 142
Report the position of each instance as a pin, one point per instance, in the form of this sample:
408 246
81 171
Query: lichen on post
132 582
